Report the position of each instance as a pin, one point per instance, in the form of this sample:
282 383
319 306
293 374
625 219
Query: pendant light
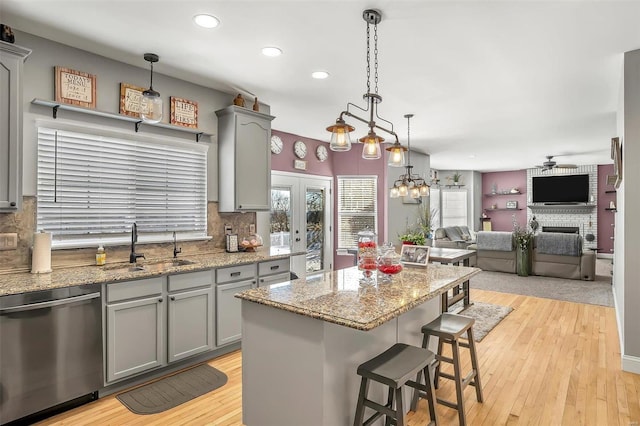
340 139
409 184
151 103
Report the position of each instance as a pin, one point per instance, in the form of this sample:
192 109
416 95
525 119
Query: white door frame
299 183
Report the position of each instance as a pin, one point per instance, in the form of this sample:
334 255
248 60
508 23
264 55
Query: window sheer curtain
92 187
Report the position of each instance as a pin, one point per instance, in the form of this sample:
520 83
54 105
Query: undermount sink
148 267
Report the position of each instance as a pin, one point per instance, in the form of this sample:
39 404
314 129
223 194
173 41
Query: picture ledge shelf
137 122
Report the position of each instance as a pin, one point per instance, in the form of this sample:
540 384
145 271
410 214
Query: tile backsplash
24 224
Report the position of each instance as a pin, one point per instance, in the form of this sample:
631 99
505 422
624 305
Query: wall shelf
499 194
136 121
497 210
611 209
610 192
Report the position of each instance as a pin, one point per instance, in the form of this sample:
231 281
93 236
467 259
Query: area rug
172 391
487 316
597 292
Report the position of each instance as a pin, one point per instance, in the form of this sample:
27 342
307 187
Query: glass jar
367 254
389 262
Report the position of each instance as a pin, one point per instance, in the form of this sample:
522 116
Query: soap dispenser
101 256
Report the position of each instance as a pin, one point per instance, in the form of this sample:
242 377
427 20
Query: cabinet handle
173 298
235 274
261 280
12 204
273 268
160 300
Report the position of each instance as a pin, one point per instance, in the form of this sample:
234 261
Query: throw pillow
453 233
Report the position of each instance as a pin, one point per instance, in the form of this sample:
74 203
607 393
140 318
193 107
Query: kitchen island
303 340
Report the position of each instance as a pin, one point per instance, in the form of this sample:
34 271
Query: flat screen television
566 189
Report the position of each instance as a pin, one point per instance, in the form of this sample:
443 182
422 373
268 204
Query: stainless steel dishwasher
50 349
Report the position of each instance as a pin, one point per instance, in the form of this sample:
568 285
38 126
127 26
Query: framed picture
184 112
300 164
414 255
130 96
616 156
75 87
512 204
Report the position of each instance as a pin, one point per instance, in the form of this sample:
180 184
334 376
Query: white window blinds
93 188
357 208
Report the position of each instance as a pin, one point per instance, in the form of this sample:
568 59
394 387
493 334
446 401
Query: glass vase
367 255
523 261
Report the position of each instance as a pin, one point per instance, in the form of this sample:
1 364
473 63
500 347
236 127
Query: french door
300 220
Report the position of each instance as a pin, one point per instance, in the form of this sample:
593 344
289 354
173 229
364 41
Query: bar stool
394 368
449 328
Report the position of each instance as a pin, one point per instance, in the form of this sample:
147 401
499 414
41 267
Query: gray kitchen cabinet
229 311
190 315
244 160
273 271
135 336
12 58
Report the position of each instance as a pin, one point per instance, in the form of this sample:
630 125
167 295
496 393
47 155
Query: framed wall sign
300 164
130 99
75 87
512 204
414 255
184 112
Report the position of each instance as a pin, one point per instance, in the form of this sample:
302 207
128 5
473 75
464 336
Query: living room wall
501 183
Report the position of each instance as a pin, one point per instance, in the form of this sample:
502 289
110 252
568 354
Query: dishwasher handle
49 304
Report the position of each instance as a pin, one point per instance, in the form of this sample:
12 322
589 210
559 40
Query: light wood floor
548 363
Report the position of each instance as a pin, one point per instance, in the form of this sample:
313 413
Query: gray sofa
453 237
554 255
561 255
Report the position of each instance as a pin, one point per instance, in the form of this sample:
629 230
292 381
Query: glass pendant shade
371 149
151 106
393 193
150 102
396 155
424 190
414 192
340 139
403 190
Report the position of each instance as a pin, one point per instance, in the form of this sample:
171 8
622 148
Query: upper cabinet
12 58
244 160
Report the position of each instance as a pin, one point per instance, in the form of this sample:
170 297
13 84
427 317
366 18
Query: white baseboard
604 256
631 364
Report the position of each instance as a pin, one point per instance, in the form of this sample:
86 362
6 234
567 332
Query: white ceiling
493 85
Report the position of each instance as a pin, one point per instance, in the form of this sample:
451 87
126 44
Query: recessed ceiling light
206 21
320 75
271 51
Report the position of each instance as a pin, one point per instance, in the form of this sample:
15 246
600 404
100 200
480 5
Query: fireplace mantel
562 208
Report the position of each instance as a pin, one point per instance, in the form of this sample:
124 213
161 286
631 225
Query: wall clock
321 153
276 144
300 149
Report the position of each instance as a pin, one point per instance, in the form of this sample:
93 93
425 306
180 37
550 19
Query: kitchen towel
41 256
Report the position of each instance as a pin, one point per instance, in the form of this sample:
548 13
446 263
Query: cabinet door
253 163
135 337
11 58
228 311
190 323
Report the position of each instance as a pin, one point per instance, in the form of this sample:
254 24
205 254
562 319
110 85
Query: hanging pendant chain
368 63
375 54
151 82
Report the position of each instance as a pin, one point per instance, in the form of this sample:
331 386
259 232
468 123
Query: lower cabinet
155 321
190 323
135 337
229 311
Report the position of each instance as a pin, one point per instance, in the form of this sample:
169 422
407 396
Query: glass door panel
315 213
280 221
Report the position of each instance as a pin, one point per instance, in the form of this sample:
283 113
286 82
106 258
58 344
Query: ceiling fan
550 164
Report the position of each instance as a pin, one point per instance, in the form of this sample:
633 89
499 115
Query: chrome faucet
176 250
133 256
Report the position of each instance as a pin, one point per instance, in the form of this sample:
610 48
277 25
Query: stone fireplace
577 218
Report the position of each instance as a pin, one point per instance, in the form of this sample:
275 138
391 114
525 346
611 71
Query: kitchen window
93 184
357 208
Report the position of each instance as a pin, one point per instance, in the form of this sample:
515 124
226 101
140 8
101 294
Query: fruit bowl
251 243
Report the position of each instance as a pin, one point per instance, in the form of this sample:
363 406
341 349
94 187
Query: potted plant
524 245
414 237
456 178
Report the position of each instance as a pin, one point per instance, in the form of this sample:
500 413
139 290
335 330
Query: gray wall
627 224
39 83
399 213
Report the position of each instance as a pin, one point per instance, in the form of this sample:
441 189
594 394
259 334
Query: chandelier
340 140
409 183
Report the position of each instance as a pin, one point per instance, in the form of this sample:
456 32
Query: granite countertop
24 282
338 297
